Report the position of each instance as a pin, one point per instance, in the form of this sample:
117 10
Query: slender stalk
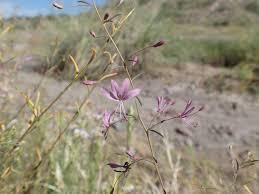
138 51
129 76
151 150
162 121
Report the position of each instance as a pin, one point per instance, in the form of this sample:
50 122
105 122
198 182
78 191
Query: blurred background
211 55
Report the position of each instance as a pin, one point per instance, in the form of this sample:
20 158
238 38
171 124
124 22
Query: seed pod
57 5
84 2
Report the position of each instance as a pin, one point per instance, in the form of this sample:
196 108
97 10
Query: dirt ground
227 118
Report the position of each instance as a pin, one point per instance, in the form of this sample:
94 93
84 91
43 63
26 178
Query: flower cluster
119 94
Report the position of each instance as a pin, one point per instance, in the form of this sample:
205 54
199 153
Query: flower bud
92 33
158 44
106 16
89 82
134 61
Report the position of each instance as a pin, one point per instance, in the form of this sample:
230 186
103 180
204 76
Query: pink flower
189 110
107 117
163 104
188 113
120 93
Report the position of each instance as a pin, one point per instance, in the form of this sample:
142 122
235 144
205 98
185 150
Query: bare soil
228 118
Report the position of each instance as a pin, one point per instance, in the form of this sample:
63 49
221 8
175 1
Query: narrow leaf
158 133
109 56
126 17
92 56
108 76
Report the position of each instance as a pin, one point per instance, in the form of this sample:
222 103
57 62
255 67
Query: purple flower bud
158 44
89 82
106 16
134 61
107 122
92 33
114 165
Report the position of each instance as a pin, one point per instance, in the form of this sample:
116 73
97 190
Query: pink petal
114 86
132 93
124 87
108 94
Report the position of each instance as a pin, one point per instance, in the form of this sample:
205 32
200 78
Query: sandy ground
227 118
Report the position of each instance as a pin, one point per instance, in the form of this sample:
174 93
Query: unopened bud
89 82
92 33
158 44
134 61
106 16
